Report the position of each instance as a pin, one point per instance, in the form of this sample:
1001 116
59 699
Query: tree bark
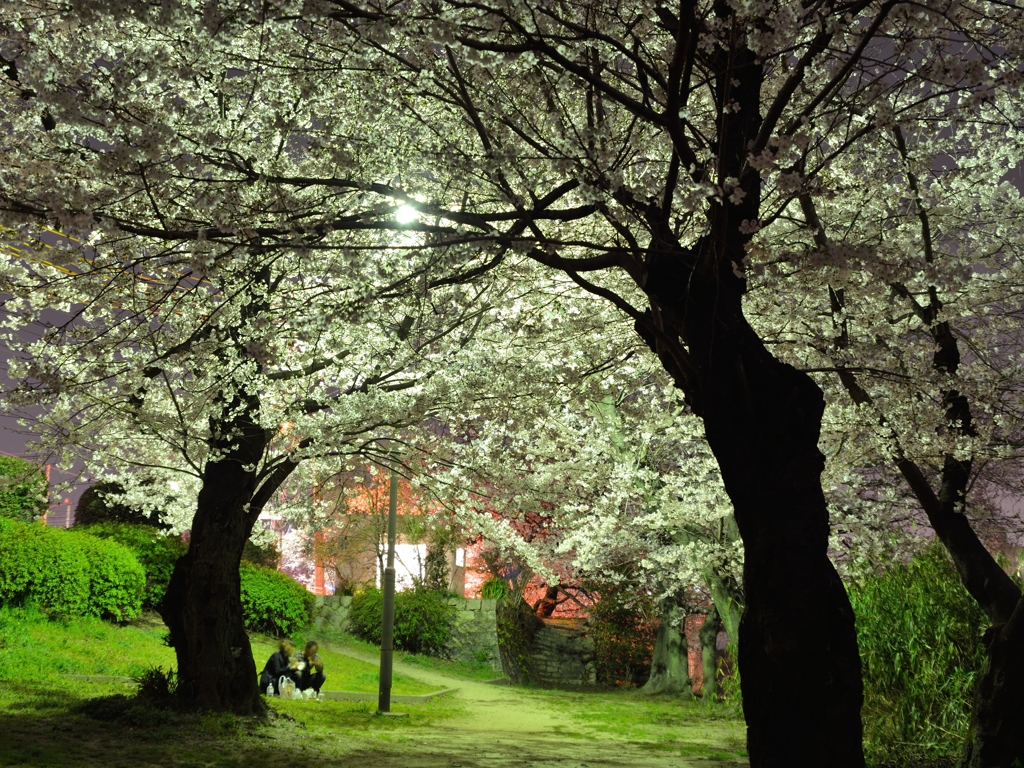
203 606
709 654
998 738
670 671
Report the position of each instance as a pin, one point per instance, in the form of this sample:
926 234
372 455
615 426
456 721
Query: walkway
507 727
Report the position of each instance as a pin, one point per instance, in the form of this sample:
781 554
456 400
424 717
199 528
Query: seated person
309 669
279 665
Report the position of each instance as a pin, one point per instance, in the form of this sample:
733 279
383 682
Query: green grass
52 720
343 672
471 670
42 726
690 728
32 647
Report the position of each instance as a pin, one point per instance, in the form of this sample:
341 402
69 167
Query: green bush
272 602
22 490
117 581
423 619
155 552
624 629
68 573
43 566
494 589
920 644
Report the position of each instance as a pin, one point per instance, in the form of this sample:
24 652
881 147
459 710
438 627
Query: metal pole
388 627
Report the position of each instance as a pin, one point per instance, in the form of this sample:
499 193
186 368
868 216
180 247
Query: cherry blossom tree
710 168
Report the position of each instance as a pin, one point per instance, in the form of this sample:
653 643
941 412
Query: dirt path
506 727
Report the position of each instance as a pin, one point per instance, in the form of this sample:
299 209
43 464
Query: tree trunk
709 654
998 738
802 688
670 672
203 607
547 604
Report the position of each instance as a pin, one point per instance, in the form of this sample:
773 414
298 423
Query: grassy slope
33 648
472 670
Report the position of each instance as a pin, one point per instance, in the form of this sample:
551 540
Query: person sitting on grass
279 666
309 669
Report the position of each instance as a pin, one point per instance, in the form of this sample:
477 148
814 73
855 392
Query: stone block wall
562 654
332 610
475 634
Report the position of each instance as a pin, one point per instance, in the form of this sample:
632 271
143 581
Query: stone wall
562 655
332 610
474 636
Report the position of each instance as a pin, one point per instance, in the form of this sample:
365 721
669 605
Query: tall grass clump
919 633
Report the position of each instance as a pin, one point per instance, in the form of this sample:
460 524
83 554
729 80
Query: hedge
117 582
67 573
155 552
272 602
423 619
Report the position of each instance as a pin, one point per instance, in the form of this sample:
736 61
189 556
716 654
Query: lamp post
388 628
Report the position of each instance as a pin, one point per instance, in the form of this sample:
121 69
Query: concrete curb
397 698
102 678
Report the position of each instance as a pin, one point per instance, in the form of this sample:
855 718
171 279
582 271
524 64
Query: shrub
94 507
366 614
494 589
117 582
920 643
272 602
22 490
155 552
624 629
42 565
267 556
423 619
68 573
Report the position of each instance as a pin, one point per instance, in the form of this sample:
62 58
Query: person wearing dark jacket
310 673
279 664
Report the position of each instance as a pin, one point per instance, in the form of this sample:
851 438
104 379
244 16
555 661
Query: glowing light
406 214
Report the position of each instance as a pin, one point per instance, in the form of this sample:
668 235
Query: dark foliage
22 490
423 619
624 629
94 507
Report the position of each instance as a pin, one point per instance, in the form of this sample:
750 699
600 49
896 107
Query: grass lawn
33 648
471 670
48 719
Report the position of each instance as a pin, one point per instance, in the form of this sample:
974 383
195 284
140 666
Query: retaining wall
562 654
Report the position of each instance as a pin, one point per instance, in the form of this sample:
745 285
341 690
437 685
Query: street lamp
388 628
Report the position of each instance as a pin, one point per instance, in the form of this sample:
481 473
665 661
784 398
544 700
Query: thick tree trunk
203 607
670 672
709 654
801 680
998 739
